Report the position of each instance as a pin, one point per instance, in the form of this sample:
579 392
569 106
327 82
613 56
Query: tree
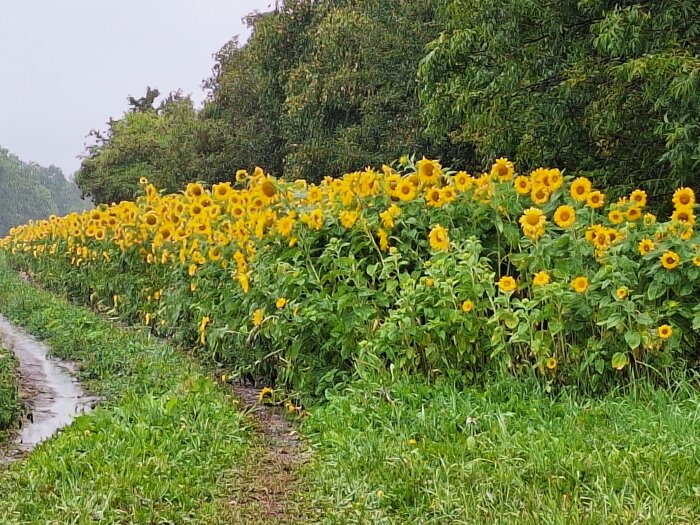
604 87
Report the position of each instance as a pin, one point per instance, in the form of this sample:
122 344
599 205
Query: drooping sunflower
670 260
551 363
507 284
580 284
580 188
565 216
348 218
439 239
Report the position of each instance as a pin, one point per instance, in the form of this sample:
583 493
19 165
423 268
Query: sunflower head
541 279
580 284
665 331
438 238
565 216
507 284
670 260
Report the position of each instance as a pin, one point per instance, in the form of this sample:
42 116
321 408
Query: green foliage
159 142
413 452
604 87
159 447
351 98
29 191
9 390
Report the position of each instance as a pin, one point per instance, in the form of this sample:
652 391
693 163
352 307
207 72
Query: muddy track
51 393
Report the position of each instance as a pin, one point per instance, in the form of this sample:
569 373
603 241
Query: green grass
509 455
10 403
161 447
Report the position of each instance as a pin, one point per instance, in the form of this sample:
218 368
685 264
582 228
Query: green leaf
633 339
620 360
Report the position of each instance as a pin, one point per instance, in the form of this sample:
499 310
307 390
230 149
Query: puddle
52 393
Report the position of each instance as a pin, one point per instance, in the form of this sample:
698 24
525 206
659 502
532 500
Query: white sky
66 66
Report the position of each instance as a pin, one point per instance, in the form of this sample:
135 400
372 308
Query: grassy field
9 392
161 448
513 454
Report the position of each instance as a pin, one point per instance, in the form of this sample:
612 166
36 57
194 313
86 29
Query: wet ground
50 391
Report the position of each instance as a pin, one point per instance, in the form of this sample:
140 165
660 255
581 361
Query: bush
409 269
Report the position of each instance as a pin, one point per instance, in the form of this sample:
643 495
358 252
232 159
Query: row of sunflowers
411 268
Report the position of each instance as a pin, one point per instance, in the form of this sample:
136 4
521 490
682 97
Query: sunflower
541 278
639 197
684 214
615 216
405 190
265 394
580 284
665 331
696 260
383 239
539 194
522 185
429 171
554 179
634 213
507 283
448 194
503 169
580 188
684 197
348 218
281 302
258 316
670 260
551 363
533 222
463 181
467 306
565 216
595 199
433 197
439 240
241 175
621 292
645 246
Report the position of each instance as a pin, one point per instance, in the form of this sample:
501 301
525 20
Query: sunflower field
413 268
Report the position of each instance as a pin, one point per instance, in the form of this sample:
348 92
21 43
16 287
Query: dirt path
49 389
269 484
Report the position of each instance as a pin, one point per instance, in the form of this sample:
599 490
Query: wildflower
665 331
580 284
439 240
507 284
670 260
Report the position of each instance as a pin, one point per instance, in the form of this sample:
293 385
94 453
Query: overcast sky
66 66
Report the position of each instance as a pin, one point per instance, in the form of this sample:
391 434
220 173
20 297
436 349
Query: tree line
608 89
30 191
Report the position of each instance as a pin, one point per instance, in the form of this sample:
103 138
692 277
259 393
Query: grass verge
10 403
418 453
160 448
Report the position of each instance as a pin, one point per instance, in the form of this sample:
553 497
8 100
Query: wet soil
51 393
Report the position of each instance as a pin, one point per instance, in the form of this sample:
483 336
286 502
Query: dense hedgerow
412 268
